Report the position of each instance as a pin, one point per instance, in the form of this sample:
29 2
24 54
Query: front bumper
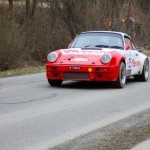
83 73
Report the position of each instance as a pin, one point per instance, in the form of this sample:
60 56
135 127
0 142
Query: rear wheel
145 72
121 81
55 82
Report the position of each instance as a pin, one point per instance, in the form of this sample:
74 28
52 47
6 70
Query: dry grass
146 52
125 139
22 71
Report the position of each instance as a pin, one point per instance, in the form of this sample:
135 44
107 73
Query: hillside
30 30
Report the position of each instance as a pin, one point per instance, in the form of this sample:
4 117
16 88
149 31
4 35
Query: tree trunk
33 7
10 9
27 8
30 8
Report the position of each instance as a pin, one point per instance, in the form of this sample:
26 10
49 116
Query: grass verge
146 52
125 139
22 71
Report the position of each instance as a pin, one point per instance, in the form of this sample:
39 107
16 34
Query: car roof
115 32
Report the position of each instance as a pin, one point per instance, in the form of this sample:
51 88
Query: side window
127 41
133 46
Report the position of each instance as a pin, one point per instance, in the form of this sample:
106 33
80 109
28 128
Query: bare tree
10 9
33 7
30 8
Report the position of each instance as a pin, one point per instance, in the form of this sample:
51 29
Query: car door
132 58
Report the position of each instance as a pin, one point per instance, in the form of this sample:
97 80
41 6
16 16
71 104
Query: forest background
30 29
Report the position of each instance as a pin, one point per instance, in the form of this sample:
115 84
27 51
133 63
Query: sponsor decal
135 63
68 51
129 71
130 63
80 52
79 59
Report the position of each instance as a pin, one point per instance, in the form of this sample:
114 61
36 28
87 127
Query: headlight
51 57
106 58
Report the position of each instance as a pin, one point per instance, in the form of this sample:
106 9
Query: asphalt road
35 116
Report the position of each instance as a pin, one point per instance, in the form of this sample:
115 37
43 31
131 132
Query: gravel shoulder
121 135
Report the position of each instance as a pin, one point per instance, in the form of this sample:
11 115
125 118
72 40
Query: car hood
84 57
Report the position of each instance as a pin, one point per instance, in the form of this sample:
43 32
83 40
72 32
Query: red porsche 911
98 56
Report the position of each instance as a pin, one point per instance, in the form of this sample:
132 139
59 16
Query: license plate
74 67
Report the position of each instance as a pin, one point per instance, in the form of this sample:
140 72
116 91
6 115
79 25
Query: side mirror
127 47
139 49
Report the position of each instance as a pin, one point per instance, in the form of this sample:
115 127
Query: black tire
121 81
145 72
55 82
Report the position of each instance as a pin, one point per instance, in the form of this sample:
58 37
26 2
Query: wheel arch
118 57
123 60
147 59
142 63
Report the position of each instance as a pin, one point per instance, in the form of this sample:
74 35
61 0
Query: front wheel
145 72
55 82
121 81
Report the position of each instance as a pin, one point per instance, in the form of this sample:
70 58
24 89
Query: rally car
98 56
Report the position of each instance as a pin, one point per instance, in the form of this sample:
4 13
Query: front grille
68 75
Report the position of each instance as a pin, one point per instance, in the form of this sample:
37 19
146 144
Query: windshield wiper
87 46
92 46
102 46
117 47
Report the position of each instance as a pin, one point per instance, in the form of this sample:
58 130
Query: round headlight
106 58
51 57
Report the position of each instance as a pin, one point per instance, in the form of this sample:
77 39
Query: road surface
36 116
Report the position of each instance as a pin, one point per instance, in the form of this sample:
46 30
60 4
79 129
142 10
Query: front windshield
98 40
